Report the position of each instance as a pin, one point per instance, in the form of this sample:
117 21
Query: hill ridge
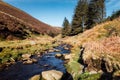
12 17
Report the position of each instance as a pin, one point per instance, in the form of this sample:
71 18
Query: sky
53 12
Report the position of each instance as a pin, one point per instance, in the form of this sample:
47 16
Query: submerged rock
52 75
66 48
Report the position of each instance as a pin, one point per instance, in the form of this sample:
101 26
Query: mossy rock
75 69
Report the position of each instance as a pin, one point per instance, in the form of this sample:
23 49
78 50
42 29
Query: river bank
45 62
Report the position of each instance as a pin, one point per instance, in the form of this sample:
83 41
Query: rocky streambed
52 60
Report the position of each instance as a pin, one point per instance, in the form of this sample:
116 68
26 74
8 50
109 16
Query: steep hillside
96 52
15 23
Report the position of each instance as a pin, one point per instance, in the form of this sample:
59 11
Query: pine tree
101 10
91 14
115 14
96 12
80 17
66 28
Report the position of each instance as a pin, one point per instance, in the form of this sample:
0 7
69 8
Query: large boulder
52 75
35 77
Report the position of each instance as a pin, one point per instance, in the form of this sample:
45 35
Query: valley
33 50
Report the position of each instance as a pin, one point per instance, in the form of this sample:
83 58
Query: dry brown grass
108 46
100 42
97 33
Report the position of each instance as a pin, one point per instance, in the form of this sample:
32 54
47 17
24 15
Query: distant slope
18 24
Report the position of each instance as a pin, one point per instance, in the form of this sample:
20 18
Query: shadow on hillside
67 76
107 75
80 60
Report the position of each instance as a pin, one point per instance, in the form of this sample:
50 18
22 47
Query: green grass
87 76
74 67
14 49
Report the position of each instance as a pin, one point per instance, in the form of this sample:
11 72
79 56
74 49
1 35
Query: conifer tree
115 14
66 28
80 17
96 12
102 10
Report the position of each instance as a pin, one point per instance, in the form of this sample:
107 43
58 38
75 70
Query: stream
48 61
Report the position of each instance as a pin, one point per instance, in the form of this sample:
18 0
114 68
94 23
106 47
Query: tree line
115 14
87 14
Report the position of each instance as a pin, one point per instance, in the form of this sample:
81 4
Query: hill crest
10 17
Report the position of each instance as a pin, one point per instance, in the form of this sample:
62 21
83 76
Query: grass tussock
110 46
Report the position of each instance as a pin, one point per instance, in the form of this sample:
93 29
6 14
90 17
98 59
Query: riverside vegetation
11 51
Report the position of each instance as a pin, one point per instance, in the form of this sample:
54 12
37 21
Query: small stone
66 48
46 65
58 55
92 72
34 60
56 50
26 56
67 56
51 50
28 62
100 71
39 55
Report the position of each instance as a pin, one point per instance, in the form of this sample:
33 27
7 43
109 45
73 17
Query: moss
74 67
87 76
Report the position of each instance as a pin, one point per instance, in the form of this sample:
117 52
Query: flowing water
20 71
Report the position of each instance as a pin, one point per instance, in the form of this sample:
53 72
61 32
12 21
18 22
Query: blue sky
53 11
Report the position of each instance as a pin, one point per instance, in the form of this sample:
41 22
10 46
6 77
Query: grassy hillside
101 52
15 23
